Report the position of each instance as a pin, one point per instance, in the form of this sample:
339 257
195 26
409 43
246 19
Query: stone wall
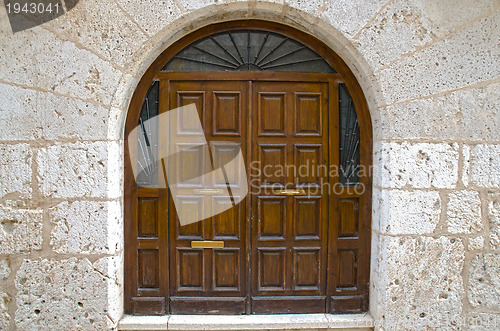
430 72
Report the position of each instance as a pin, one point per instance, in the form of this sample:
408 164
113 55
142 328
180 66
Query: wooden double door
282 249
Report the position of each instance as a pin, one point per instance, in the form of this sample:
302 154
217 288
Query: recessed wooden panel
271 269
148 305
186 126
271 114
226 113
222 154
308 114
226 225
306 268
207 305
280 304
190 270
272 164
271 218
148 268
226 266
191 206
309 164
190 165
348 268
349 217
307 220
147 217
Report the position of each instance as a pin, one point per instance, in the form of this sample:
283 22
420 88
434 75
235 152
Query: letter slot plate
207 244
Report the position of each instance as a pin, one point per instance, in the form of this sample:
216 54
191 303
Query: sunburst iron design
248 50
349 139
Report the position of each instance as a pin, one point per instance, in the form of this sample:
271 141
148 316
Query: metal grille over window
248 50
147 139
349 139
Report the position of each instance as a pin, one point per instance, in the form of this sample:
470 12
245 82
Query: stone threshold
249 322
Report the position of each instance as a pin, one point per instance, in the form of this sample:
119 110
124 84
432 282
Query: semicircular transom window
248 50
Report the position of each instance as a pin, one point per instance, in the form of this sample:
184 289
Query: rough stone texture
402 25
465 114
409 78
350 16
63 295
4 268
424 283
20 230
407 212
484 281
483 322
17 114
4 314
75 169
476 243
151 15
420 165
485 165
15 170
86 227
312 7
494 219
464 212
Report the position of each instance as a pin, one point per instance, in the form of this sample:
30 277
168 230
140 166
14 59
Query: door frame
343 75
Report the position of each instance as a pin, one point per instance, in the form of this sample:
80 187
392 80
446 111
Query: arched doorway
300 241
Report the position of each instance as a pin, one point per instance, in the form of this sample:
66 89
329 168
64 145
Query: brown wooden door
289 232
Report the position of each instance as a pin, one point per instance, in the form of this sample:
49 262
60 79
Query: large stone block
78 169
484 281
18 113
402 25
494 219
464 212
152 15
406 212
483 167
313 7
86 227
424 289
469 56
464 114
4 313
68 294
350 16
4 268
15 170
419 165
20 230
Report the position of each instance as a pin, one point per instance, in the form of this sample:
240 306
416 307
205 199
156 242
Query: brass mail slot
208 191
207 244
291 192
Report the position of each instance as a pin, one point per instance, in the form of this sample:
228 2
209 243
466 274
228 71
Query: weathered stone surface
190 5
474 59
464 212
484 168
465 114
152 15
4 268
419 165
86 227
484 281
494 218
407 212
483 321
476 243
76 169
424 287
15 170
102 26
311 7
64 295
4 314
401 25
20 230
67 118
17 114
350 16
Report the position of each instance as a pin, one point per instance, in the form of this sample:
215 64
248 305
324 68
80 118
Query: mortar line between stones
131 18
372 19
